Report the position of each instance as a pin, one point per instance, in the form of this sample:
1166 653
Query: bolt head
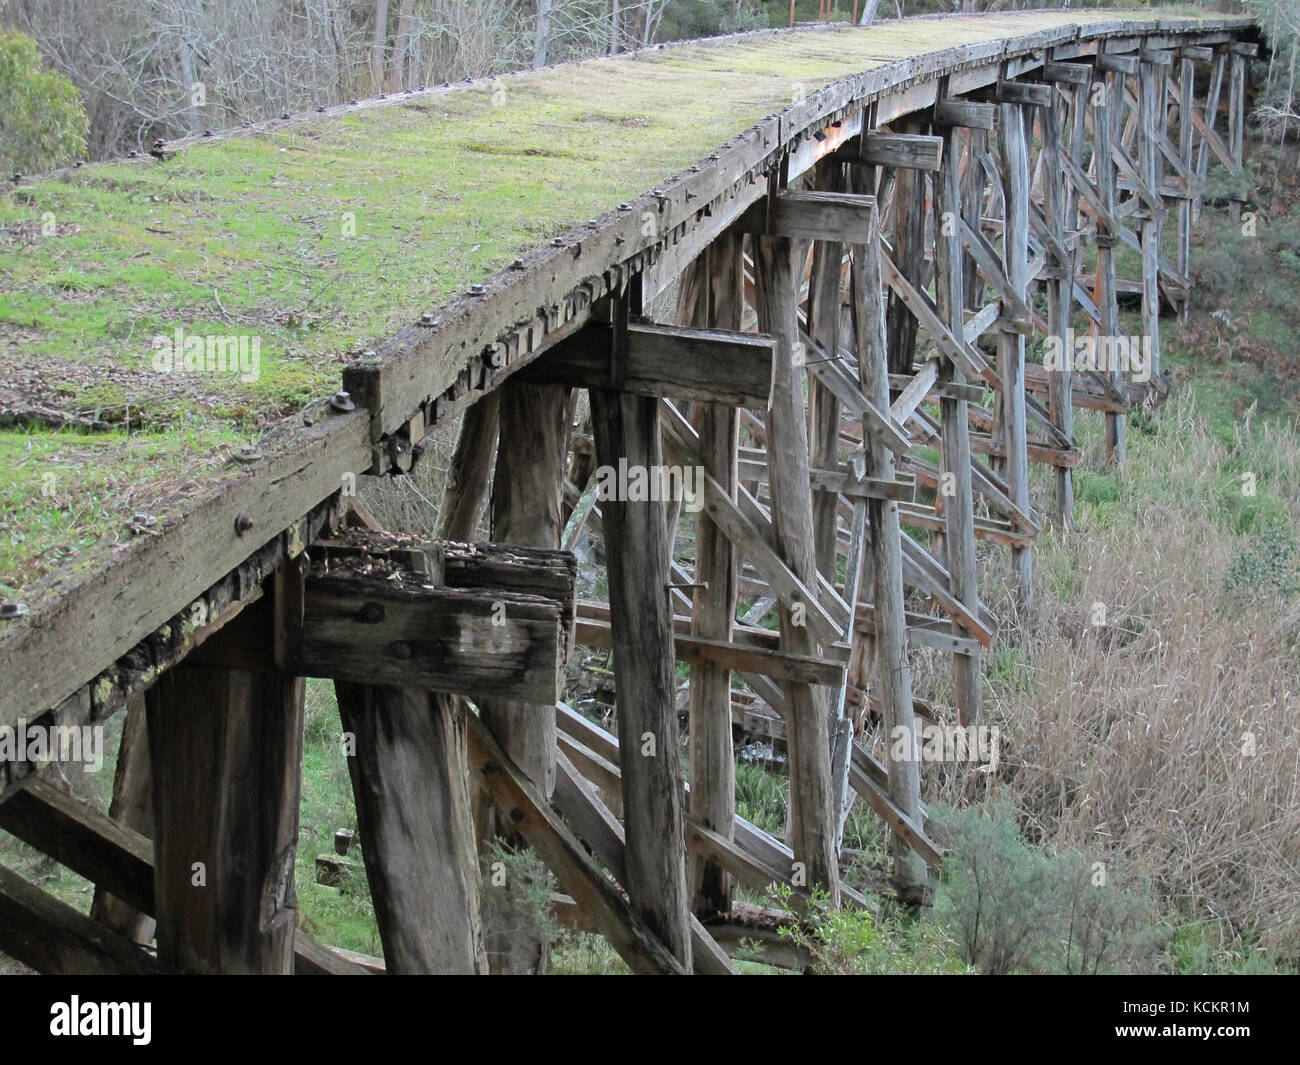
342 402
10 610
401 650
243 523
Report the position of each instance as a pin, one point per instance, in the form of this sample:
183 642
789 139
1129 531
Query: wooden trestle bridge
799 315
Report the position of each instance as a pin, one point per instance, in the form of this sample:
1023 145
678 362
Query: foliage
1015 908
42 121
857 942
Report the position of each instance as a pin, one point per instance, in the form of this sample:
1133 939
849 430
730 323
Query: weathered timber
51 937
226 752
131 808
523 806
637 555
712 365
469 471
407 760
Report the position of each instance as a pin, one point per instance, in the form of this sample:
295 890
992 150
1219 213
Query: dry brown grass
1129 735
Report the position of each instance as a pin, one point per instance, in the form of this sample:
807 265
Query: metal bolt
320 110
518 264
558 242
400 649
477 290
11 610
243 523
141 521
372 613
428 319
248 453
342 402
625 207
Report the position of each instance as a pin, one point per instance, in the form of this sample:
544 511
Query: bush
1014 908
42 120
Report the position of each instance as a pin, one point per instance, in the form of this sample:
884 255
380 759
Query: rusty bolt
343 402
476 290
558 242
372 613
10 610
516 815
400 649
143 520
518 264
243 523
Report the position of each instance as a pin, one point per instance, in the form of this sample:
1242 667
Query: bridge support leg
713 762
1105 105
1014 154
812 819
226 748
527 510
409 773
637 555
955 486
1058 205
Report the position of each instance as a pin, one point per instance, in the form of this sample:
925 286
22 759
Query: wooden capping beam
1249 49
1026 93
369 628
1196 53
912 150
969 113
1069 73
1156 57
664 361
1117 64
834 216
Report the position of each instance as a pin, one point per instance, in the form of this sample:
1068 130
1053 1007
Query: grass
324 238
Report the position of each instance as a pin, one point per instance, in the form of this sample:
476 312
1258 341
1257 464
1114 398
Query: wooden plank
820 215
969 113
452 640
577 874
51 937
710 365
913 150
599 828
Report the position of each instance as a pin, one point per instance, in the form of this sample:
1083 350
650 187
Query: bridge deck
244 234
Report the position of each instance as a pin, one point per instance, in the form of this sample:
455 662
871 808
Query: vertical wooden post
1211 118
637 555
713 764
471 467
409 778
1112 88
226 749
1236 115
823 407
1014 153
528 511
909 258
132 807
812 817
1060 298
1186 105
886 547
955 482
1151 112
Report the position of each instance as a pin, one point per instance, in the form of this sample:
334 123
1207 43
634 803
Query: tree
42 121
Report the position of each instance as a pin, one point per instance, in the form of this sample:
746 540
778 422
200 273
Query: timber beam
663 361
